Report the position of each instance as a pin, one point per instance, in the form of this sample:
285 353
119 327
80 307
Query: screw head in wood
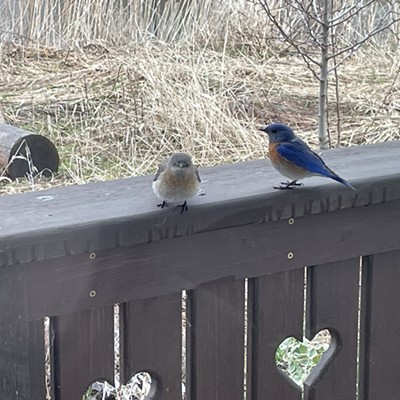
290 255
92 293
92 256
291 221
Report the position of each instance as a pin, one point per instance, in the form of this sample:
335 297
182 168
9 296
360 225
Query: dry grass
62 22
117 112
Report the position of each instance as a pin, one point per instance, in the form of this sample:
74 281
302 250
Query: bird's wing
196 171
301 155
162 166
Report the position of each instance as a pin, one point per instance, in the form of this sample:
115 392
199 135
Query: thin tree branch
384 100
316 11
356 45
342 7
307 59
311 32
306 11
339 20
338 63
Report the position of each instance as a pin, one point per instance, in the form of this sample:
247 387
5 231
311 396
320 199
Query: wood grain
167 266
216 326
332 303
380 327
151 338
119 213
83 351
277 313
21 342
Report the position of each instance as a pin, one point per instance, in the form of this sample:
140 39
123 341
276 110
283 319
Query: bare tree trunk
337 95
306 25
323 83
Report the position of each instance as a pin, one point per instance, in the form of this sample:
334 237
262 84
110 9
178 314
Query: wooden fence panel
21 342
380 328
332 303
37 355
216 327
277 314
144 270
83 351
151 338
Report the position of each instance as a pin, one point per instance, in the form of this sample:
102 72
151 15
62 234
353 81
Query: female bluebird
294 159
176 180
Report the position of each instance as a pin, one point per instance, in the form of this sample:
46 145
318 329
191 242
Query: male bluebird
294 159
176 180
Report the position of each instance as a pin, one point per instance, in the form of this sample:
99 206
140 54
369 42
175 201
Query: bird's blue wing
301 155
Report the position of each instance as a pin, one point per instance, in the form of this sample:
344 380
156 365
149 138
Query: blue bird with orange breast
294 159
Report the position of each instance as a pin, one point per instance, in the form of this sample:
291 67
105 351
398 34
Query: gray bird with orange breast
176 181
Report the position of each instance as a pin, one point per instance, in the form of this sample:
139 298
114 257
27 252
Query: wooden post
23 152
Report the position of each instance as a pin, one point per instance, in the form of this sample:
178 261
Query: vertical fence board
380 328
83 351
332 303
21 342
37 359
216 326
277 314
151 335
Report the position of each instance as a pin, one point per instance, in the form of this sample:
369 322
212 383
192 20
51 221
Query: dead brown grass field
116 112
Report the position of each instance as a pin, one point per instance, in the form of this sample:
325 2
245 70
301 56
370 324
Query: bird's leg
163 204
288 185
184 207
294 183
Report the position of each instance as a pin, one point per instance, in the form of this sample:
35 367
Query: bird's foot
288 185
163 204
184 207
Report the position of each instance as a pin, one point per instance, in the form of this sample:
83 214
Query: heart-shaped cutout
296 359
140 387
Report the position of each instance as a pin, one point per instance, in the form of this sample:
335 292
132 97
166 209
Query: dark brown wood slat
216 326
277 314
332 303
121 213
83 351
253 250
151 339
380 328
37 359
21 342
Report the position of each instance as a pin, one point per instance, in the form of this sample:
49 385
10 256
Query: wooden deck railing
72 253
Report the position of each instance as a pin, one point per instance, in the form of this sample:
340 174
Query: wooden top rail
240 228
95 216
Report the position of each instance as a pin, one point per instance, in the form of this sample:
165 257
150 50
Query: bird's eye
274 131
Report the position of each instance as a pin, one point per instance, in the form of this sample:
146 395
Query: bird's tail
337 178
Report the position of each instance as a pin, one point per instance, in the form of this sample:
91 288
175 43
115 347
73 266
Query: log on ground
24 153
